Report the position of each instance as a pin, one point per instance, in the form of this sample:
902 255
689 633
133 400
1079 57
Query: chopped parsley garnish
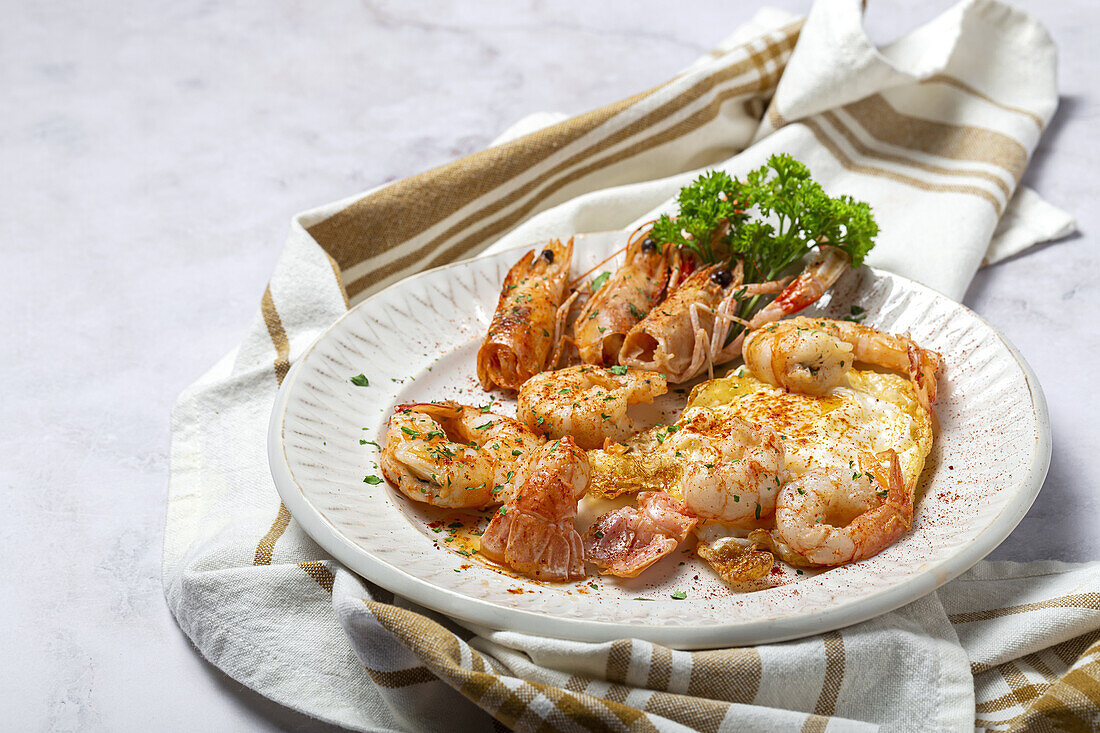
372 480
360 380
618 369
857 315
679 595
369 442
599 281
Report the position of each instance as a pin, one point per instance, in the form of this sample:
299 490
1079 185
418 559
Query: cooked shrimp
621 302
818 276
674 337
587 402
626 541
534 533
732 469
522 333
831 518
805 290
812 355
453 455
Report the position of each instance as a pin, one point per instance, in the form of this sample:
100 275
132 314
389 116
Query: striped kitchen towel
934 131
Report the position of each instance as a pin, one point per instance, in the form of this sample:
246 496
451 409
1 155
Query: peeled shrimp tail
534 533
808 503
923 367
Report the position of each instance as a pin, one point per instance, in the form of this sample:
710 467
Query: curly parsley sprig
770 220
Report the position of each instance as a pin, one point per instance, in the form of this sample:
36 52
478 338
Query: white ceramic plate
417 340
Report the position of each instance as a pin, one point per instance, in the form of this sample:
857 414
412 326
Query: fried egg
869 411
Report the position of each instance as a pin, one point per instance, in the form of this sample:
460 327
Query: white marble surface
152 156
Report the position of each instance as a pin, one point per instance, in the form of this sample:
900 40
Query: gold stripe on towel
317 570
865 150
705 716
267 544
277 333
618 660
959 84
402 677
815 724
834 673
775 119
841 157
1076 600
958 142
732 675
660 668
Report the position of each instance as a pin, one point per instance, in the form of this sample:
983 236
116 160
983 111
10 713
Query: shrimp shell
674 338
626 541
736 560
624 299
521 335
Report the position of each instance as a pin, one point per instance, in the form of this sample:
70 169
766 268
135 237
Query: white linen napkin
944 121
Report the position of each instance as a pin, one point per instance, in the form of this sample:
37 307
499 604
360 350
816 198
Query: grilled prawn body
522 333
628 295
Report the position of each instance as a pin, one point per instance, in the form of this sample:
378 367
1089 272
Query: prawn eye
721 277
548 255
649 246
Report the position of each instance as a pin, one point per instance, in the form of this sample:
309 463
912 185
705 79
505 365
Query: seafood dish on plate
806 452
